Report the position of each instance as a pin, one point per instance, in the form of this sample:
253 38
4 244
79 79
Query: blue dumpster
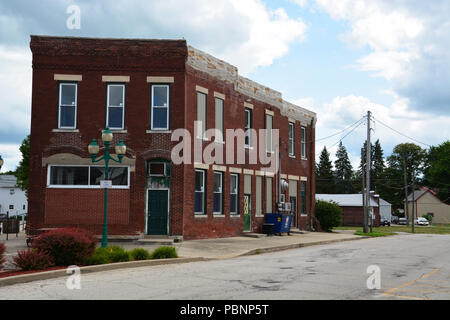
281 222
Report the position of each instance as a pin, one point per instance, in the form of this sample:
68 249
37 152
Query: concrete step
298 231
155 241
253 235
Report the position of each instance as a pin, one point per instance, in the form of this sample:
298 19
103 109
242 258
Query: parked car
385 223
394 219
402 221
421 221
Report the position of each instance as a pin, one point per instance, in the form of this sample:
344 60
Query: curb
296 245
97 268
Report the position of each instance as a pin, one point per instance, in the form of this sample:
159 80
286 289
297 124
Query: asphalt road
411 267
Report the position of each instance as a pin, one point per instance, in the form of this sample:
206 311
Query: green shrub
32 260
66 246
329 214
164 252
139 254
108 255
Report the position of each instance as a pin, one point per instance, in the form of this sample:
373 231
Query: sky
337 58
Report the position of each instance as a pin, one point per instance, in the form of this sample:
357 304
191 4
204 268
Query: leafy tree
437 170
324 174
23 170
343 171
410 157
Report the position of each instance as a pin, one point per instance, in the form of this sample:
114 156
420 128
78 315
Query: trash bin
268 229
281 222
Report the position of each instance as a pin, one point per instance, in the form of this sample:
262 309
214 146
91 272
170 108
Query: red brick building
144 90
353 209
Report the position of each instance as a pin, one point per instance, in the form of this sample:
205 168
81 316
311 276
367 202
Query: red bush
67 246
2 255
32 260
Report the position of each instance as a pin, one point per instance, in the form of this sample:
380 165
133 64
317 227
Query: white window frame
303 131
61 84
158 175
221 192
291 139
108 106
248 127
203 191
203 128
88 186
152 127
236 192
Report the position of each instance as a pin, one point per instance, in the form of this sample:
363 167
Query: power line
358 123
380 122
342 131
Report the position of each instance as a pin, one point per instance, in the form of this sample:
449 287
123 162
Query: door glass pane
115 117
68 94
160 98
116 96
67 117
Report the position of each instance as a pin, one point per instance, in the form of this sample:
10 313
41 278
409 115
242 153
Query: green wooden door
158 204
247 212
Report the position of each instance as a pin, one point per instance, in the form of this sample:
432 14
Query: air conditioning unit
284 206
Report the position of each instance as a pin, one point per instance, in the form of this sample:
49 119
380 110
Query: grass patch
374 234
432 229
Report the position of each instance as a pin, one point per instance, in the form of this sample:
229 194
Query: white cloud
409 44
341 112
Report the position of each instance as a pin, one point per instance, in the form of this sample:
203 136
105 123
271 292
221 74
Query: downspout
312 167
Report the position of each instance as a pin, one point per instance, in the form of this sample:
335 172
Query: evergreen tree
344 171
324 174
378 167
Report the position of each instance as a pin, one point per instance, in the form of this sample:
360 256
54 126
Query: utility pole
363 192
413 200
368 166
406 191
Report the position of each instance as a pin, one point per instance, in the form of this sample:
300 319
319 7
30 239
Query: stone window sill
159 131
200 216
219 216
66 130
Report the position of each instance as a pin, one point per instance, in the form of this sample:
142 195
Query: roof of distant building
8 181
345 200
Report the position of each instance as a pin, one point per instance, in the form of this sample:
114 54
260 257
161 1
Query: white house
12 199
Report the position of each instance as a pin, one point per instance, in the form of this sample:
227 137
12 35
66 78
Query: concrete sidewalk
225 248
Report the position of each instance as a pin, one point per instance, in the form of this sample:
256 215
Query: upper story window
269 133
115 111
219 119
160 107
201 114
303 142
291 139
67 110
248 127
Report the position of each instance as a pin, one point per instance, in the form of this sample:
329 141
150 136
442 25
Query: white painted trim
115 78
295 178
201 166
235 170
219 95
201 89
219 168
153 79
269 112
249 172
248 105
68 77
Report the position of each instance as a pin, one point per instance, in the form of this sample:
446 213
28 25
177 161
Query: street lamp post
94 149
